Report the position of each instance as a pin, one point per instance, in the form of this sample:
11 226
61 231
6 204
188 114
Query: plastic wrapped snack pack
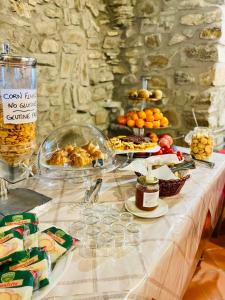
16 285
10 242
56 242
30 234
19 219
34 260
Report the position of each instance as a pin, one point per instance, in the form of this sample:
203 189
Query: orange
158 116
156 110
122 120
141 114
149 117
130 123
152 134
164 122
156 124
129 113
129 117
140 123
134 116
154 139
148 125
148 111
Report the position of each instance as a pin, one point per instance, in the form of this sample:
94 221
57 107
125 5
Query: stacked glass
102 229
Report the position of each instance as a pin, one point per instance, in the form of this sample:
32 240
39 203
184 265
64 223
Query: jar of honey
147 193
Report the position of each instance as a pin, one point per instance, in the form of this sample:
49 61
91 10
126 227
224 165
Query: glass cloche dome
73 151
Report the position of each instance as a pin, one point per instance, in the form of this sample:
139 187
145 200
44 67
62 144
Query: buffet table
162 265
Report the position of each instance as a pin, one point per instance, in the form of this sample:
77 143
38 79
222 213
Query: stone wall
91 52
66 36
179 46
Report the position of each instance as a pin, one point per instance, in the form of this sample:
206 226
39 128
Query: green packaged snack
56 242
10 242
16 285
19 219
34 260
30 234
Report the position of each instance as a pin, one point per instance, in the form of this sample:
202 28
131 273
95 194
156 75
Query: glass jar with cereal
18 108
202 143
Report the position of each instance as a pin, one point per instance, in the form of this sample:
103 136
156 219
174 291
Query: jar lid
10 60
142 180
19 61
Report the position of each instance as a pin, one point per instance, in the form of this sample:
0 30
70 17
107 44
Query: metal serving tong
183 166
189 157
91 195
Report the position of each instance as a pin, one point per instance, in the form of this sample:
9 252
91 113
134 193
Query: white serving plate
57 273
159 211
149 150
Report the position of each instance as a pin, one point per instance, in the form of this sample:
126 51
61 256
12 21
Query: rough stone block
48 73
191 4
46 28
159 60
153 40
34 45
67 94
74 17
111 42
67 65
105 75
71 48
73 36
101 117
56 116
129 79
49 89
46 59
53 12
43 104
202 52
201 18
66 15
183 78
211 33
84 95
157 81
206 78
49 46
176 39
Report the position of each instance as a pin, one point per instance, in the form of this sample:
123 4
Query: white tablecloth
161 266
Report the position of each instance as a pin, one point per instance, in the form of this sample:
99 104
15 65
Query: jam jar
147 193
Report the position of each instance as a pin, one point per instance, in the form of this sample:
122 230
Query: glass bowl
73 151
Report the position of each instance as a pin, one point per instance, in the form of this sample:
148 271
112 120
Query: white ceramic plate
159 211
57 273
150 150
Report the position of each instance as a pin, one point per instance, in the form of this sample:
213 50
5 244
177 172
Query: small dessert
59 158
136 139
143 93
133 94
201 146
76 156
157 94
134 143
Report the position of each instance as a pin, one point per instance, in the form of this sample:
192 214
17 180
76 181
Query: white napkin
140 166
163 159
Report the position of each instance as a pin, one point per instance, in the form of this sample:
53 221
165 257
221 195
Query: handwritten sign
19 106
